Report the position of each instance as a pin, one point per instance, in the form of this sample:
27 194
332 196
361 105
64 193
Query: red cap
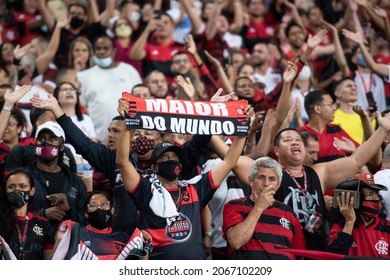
365 177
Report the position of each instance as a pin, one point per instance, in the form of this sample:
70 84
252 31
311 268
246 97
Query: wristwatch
208 233
7 108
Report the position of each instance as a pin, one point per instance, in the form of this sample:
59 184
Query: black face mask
100 218
18 198
169 169
76 22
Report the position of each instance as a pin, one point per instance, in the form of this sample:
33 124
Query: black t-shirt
54 181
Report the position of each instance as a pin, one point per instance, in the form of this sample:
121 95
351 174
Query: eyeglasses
331 104
94 206
65 90
178 61
11 124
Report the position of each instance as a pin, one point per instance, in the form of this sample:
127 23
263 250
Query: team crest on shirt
186 195
38 230
180 229
269 30
284 222
382 247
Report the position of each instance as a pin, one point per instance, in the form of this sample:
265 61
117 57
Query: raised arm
138 50
48 17
211 26
342 168
129 174
238 23
105 16
44 60
196 21
11 98
227 87
230 160
357 37
340 57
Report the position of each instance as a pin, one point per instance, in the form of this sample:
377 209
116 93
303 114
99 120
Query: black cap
163 148
353 185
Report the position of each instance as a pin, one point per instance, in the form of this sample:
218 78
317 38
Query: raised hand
190 45
11 98
50 103
380 12
315 40
290 73
187 86
218 98
212 59
19 52
353 36
329 27
123 106
344 144
62 23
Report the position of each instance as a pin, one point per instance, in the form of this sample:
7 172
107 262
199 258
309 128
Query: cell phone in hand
157 14
371 102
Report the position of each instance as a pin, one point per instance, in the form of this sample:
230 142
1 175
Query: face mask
18 198
361 60
169 170
76 22
371 208
123 31
47 152
100 218
103 62
142 145
305 74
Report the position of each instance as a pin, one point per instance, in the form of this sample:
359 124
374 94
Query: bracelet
208 233
7 108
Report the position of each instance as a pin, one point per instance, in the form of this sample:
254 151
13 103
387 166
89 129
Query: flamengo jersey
182 239
328 149
278 226
159 57
39 237
371 241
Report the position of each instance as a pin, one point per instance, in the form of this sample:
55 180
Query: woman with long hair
18 226
80 54
68 98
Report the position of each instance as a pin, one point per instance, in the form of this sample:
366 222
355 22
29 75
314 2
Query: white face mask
305 74
103 62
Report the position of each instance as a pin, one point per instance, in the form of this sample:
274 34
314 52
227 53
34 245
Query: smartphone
354 194
371 102
21 74
157 14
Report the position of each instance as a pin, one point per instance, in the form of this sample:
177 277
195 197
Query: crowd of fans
309 180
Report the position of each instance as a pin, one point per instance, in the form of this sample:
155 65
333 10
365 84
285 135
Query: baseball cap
352 185
53 127
369 179
163 148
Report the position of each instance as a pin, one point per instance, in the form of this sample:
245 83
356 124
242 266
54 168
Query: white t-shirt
86 125
100 91
382 177
270 80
